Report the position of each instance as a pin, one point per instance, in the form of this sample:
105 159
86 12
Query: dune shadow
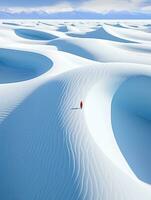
10 23
67 46
34 159
63 29
100 33
34 34
18 65
118 25
131 122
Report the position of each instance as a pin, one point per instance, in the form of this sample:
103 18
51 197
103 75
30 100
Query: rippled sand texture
50 149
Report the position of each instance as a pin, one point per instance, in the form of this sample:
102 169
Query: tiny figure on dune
81 105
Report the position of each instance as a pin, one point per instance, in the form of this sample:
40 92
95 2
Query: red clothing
81 104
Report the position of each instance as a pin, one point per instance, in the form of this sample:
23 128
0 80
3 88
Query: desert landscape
75 109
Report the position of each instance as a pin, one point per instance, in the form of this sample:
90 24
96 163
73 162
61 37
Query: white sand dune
50 149
34 35
132 35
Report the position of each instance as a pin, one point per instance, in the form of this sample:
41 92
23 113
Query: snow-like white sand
50 149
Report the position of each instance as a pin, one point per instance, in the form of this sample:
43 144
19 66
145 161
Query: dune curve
131 122
18 65
100 33
51 148
34 34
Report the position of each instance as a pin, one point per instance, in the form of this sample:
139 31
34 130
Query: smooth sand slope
50 149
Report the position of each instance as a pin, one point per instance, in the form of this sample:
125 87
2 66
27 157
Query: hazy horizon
71 9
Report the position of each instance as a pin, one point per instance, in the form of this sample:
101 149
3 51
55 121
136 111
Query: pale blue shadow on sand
11 24
131 122
100 33
67 46
62 28
18 65
34 159
34 34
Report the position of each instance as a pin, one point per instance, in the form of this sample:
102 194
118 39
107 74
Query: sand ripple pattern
48 149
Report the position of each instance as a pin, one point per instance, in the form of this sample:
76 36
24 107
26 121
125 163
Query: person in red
81 104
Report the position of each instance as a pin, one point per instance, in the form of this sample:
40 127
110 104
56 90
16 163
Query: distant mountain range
74 15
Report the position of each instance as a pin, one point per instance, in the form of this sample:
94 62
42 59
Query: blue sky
110 9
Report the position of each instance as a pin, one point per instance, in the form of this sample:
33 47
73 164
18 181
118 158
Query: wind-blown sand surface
50 149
